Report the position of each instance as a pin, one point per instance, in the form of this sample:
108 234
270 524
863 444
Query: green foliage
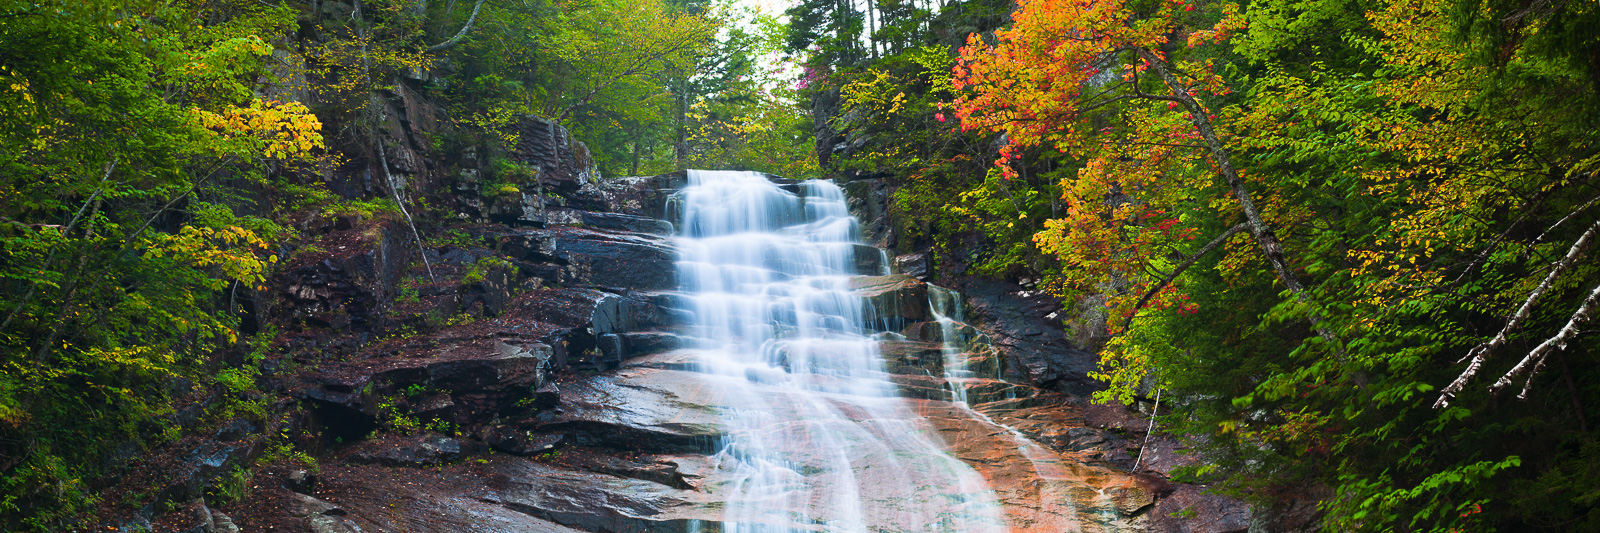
120 239
1421 164
231 487
483 267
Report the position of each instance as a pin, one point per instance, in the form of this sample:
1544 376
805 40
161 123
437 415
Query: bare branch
460 34
1481 352
1540 353
1185 266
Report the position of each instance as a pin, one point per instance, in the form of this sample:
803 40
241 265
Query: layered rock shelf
544 381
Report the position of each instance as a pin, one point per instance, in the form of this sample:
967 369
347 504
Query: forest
1343 248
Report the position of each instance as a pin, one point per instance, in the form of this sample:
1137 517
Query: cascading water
817 440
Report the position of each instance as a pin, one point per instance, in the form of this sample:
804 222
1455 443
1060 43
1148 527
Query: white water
820 442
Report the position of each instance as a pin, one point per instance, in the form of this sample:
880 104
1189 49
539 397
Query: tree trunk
1266 239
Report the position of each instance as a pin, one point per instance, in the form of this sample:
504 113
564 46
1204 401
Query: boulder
894 301
1035 349
415 450
917 265
612 221
611 259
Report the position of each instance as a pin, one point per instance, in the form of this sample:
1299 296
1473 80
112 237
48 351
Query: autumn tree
1315 224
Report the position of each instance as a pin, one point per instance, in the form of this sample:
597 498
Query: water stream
818 440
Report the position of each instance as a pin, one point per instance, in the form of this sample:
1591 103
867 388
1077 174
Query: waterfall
819 441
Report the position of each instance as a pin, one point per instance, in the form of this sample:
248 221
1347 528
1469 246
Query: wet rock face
868 200
564 164
893 301
414 451
583 256
1036 349
351 284
611 221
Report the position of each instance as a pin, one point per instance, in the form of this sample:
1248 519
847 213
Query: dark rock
1189 509
524 364
869 261
640 343
300 480
1298 512
645 409
517 209
608 259
354 286
434 406
892 301
564 164
660 472
202 465
234 430
1080 439
869 201
611 350
612 221
640 196
521 442
418 450
1035 350
917 265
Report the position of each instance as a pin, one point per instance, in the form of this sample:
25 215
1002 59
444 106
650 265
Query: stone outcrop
351 282
582 256
1035 348
893 301
406 450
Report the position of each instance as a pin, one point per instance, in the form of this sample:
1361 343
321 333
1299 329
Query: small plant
441 427
482 268
414 390
408 290
282 449
455 238
363 208
309 249
231 487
